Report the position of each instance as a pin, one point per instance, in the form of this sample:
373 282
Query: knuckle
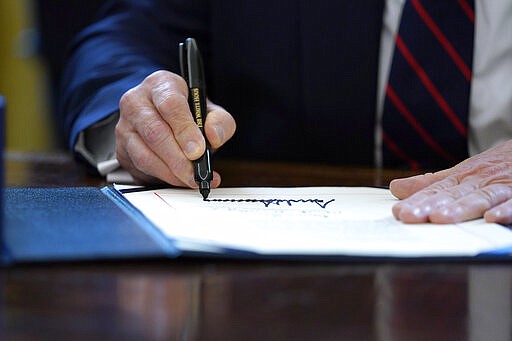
497 193
496 174
181 83
127 98
182 130
129 104
448 182
430 191
489 196
157 76
454 194
155 132
167 77
121 133
140 161
485 172
169 102
118 132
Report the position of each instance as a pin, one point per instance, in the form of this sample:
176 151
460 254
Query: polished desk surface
205 299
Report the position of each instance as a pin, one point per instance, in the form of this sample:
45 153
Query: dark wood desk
189 299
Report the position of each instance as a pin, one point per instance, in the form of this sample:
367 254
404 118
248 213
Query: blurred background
34 35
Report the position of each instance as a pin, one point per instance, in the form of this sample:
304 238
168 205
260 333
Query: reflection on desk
189 300
205 299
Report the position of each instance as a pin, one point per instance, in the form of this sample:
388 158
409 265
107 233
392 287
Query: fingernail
191 149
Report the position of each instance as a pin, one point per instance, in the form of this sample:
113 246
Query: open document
323 221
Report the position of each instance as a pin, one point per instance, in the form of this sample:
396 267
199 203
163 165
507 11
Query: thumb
405 187
219 126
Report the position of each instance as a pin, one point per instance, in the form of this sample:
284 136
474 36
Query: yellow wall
29 124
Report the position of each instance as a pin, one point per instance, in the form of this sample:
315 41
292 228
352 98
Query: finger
143 178
123 132
125 163
142 157
216 180
501 214
220 126
416 208
169 96
473 205
405 187
123 135
141 160
412 212
158 137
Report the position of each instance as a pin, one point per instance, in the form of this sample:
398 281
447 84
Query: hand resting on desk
156 136
479 186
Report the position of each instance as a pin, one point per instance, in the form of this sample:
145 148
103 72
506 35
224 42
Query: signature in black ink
277 202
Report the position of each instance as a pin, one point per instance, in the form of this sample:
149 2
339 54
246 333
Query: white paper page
309 221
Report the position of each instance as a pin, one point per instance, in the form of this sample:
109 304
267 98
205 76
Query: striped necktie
425 113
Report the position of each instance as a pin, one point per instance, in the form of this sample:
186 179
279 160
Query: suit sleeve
130 40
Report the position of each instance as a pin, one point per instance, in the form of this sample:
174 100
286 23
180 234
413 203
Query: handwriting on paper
277 202
266 202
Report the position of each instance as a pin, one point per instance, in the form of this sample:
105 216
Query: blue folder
70 224
78 223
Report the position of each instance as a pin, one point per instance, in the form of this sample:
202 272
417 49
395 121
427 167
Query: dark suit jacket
299 77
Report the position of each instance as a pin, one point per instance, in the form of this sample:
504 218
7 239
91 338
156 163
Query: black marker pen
192 71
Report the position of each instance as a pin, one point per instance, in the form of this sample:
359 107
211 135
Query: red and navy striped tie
425 114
